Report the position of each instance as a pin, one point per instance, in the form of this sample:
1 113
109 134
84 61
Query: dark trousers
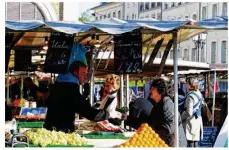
193 143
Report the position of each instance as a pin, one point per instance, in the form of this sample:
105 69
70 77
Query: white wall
131 8
109 9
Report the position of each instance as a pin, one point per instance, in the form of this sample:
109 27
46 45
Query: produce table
108 143
31 145
104 139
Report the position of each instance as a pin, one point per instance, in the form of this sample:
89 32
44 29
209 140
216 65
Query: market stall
33 34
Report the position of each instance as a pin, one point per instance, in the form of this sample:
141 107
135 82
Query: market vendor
65 98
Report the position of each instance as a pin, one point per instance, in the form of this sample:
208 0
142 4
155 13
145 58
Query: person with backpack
191 115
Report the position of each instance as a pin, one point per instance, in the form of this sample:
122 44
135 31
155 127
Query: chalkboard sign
209 137
23 60
58 54
128 53
8 46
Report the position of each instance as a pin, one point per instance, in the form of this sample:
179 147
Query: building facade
29 11
214 45
131 10
109 10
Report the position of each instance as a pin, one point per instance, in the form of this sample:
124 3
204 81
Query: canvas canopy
32 33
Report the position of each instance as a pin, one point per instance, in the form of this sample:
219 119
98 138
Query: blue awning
117 26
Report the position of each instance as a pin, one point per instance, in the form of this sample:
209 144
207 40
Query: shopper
30 90
110 100
65 100
161 118
191 117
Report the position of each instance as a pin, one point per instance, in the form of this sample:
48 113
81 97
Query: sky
85 6
73 10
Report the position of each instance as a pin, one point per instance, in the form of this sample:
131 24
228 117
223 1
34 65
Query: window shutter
27 11
13 11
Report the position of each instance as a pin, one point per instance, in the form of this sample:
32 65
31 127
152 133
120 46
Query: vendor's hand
115 114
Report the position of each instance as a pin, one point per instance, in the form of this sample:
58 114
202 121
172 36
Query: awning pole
127 91
8 85
92 89
175 59
121 95
121 91
91 78
213 106
22 85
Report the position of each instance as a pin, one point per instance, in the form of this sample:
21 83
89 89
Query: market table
108 143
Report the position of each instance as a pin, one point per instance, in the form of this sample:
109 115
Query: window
224 13
127 17
194 16
186 56
166 6
109 15
171 54
213 52
101 17
186 16
23 11
105 16
153 5
159 16
179 3
173 4
132 16
96 18
193 54
204 13
119 14
178 53
141 6
114 14
223 51
147 6
214 11
158 4
202 54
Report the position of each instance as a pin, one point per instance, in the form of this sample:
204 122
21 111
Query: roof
33 33
101 5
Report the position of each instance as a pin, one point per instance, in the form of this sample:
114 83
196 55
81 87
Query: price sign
128 53
58 55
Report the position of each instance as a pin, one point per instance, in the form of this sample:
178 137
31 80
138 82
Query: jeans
193 143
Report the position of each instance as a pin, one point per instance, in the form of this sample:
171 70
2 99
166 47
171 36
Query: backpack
181 102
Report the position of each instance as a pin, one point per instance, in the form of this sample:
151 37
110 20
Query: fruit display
43 137
145 136
30 118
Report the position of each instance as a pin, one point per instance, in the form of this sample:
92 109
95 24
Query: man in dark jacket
139 110
65 100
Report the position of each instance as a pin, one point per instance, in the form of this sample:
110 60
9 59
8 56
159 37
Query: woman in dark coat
162 114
